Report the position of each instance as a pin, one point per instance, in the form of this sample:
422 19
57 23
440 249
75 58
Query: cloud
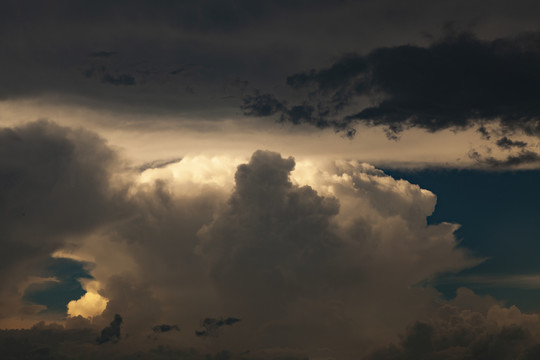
501 333
236 42
112 332
89 305
300 263
165 328
55 184
294 249
455 83
293 261
157 164
522 158
212 326
506 143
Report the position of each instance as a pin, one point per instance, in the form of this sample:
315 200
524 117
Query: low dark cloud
165 328
111 333
156 164
455 83
211 327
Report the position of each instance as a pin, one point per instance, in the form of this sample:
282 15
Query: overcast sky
270 179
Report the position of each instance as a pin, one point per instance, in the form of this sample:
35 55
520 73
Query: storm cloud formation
319 257
294 249
457 82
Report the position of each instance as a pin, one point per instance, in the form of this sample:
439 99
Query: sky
245 179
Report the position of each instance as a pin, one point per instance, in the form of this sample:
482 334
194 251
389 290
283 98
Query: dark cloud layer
455 83
198 57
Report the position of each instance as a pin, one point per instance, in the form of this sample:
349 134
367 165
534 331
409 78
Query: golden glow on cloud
197 170
62 253
90 304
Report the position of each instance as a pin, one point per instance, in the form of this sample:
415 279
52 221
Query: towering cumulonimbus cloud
300 261
296 249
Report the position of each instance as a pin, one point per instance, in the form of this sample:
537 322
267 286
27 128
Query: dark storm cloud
455 83
54 183
45 49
